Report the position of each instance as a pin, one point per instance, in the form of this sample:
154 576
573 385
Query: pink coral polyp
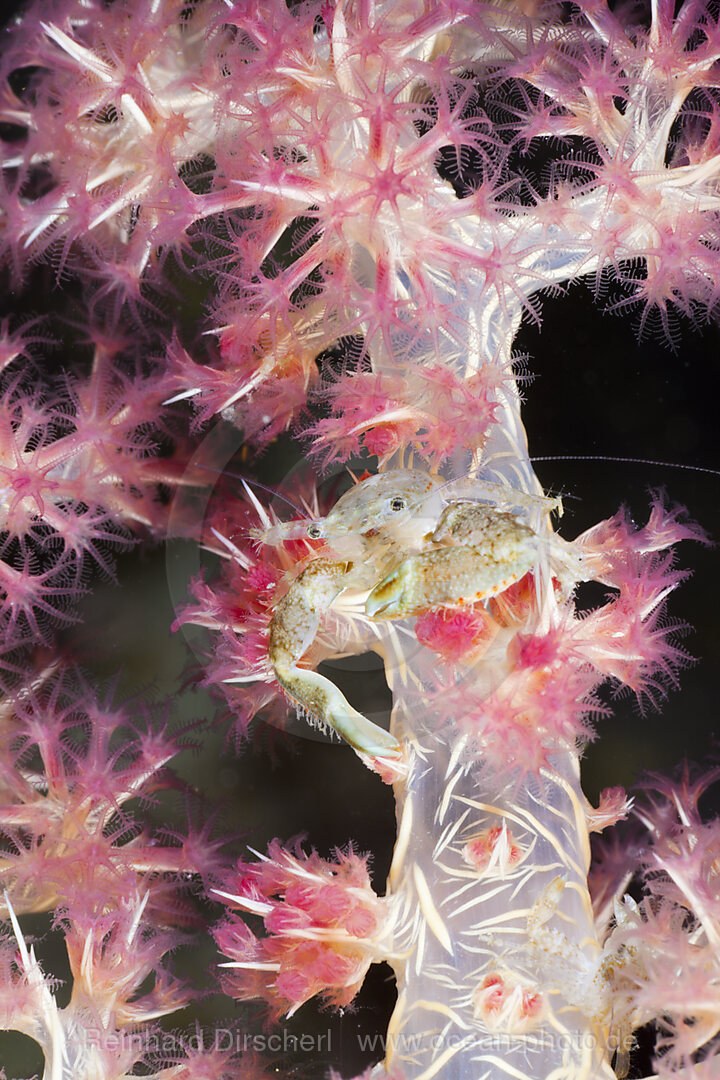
455 633
322 921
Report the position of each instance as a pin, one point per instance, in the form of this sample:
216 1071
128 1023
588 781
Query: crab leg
292 630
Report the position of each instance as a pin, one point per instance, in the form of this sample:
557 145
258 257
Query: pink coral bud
494 850
287 920
456 633
613 806
504 1003
294 986
325 905
390 770
537 651
324 925
360 922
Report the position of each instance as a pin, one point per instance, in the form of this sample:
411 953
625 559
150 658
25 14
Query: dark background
596 390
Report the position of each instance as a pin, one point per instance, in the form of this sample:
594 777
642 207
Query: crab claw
392 597
375 746
454 575
422 582
378 750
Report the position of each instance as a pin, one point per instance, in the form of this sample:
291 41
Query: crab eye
398 503
314 531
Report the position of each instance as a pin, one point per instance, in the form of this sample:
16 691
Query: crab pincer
488 551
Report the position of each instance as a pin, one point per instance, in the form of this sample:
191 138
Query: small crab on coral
403 543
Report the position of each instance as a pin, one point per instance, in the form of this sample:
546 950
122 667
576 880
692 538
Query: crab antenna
627 460
255 483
